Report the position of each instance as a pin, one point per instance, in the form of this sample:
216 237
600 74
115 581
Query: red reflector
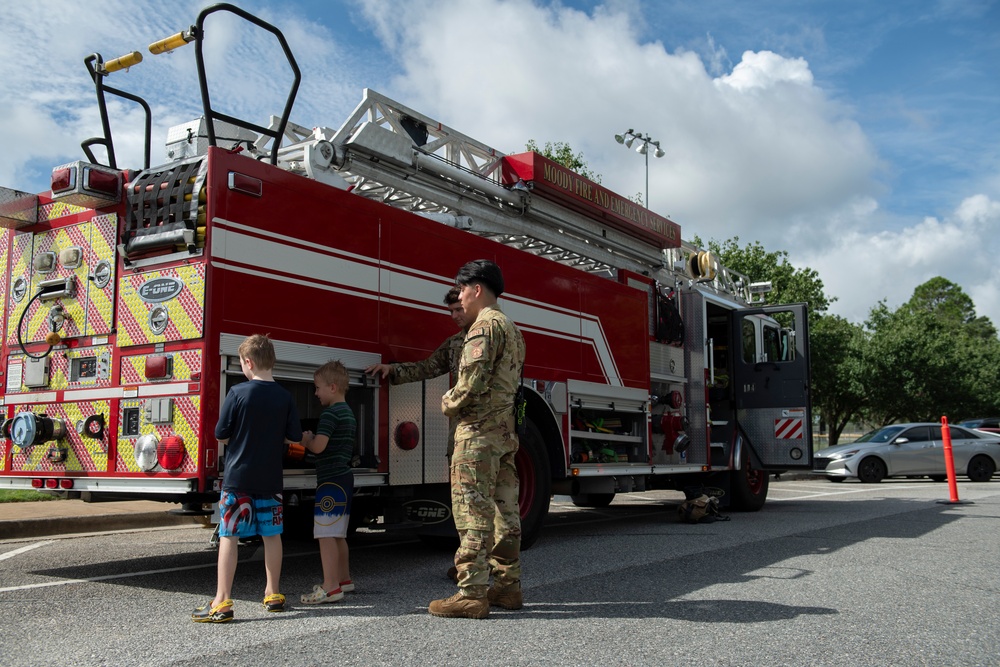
65 484
63 179
102 182
246 184
52 484
37 483
157 367
407 435
170 452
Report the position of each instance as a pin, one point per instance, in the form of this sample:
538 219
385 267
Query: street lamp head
619 138
659 152
641 150
628 141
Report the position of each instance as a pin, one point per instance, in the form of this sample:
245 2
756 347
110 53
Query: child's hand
307 437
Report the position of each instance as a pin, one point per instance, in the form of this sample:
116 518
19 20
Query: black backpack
669 325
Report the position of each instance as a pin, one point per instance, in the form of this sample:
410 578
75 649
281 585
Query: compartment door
770 362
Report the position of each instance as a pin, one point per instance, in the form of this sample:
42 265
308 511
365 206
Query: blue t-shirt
338 424
257 416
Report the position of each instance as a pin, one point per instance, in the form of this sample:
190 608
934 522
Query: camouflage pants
484 490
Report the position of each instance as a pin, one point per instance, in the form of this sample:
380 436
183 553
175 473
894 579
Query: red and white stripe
788 429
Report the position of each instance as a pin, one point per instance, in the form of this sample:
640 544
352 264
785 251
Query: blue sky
861 137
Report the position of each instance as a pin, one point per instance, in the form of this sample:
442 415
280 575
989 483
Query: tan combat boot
459 606
507 597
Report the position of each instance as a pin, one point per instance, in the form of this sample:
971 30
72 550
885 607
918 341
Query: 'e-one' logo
158 290
426 511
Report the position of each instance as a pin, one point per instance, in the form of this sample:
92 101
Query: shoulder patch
477 332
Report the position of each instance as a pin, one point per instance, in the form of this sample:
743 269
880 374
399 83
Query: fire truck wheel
593 499
535 488
748 487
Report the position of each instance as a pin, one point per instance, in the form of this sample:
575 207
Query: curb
98 523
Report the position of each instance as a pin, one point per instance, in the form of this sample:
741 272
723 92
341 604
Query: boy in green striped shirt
333 444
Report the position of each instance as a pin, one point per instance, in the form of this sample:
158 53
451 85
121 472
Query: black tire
535 484
836 479
593 499
871 470
981 468
747 486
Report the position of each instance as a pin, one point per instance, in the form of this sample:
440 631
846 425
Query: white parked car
911 450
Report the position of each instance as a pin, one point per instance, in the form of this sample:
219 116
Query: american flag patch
788 429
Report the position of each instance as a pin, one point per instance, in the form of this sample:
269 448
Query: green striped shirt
338 424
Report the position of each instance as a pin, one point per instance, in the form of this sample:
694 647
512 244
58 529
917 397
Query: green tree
835 344
562 153
838 371
931 357
788 284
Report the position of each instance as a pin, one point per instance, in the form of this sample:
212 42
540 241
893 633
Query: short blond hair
259 349
334 372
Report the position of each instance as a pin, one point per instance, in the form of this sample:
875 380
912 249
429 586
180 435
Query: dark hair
452 296
484 272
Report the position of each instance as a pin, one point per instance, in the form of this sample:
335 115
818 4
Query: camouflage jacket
443 360
490 369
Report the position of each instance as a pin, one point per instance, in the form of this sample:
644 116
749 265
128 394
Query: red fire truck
126 294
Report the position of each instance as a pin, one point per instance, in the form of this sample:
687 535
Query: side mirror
900 441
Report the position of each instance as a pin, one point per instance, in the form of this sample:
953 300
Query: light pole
629 137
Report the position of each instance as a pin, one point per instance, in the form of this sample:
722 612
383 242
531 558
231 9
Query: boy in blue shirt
256 420
333 444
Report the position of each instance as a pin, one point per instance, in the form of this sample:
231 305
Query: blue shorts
333 506
246 515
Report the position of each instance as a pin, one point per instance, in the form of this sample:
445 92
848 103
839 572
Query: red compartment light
170 452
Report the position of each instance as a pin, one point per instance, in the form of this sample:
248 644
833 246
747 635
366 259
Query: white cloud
748 150
756 149
861 266
765 70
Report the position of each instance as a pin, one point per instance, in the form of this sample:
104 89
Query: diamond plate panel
186 363
406 404
20 287
184 313
59 209
84 454
666 359
758 425
4 276
187 410
437 432
694 362
100 301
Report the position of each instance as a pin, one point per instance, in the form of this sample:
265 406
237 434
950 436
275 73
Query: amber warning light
168 44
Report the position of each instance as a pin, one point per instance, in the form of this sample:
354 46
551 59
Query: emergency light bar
760 288
86 184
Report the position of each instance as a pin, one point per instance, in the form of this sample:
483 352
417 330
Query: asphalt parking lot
826 574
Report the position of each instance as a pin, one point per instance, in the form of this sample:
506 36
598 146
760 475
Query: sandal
347 586
209 613
320 596
274 602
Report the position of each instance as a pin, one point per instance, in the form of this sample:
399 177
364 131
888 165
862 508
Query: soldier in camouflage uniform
484 484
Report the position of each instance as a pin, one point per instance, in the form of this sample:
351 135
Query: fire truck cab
126 294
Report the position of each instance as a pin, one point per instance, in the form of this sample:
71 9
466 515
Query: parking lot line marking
185 568
820 494
15 552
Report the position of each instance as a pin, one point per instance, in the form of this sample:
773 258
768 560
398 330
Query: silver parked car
910 450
